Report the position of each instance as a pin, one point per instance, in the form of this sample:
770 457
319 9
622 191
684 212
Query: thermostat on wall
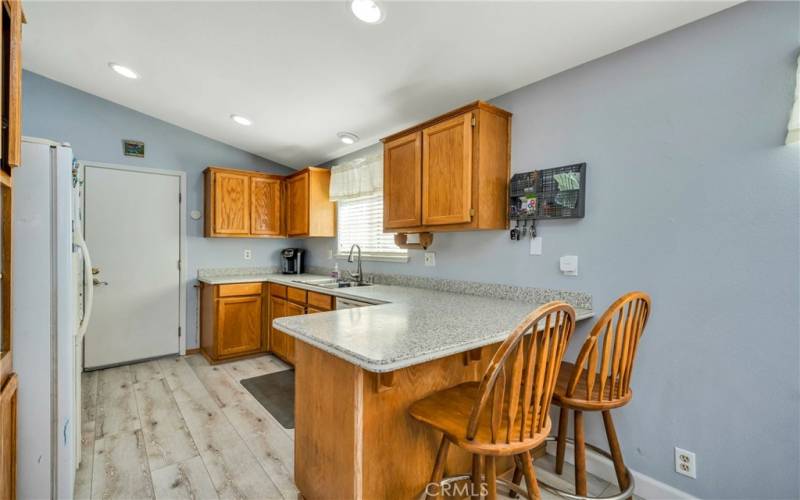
569 265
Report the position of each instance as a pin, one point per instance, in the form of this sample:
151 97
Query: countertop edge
377 367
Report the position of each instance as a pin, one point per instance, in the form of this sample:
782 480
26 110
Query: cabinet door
265 206
402 182
297 205
8 439
11 140
277 339
447 171
292 310
239 325
231 203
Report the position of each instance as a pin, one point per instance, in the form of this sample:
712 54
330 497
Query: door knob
97 282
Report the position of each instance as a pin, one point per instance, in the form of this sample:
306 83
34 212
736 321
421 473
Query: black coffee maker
292 260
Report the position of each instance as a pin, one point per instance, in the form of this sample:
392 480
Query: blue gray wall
692 197
96 127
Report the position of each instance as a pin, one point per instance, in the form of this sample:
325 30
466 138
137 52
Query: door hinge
472 212
179 264
180 197
179 332
474 121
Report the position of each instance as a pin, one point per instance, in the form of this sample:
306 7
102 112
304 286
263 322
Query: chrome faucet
358 275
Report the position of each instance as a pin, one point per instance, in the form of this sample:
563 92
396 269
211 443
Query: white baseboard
645 486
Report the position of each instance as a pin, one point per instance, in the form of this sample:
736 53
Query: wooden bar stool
507 413
581 387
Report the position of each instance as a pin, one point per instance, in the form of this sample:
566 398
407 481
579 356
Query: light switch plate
536 245
568 265
430 259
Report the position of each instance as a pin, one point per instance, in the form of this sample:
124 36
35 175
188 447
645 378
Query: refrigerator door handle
87 279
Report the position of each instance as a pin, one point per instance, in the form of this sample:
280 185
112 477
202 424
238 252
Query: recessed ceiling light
241 120
123 70
347 137
369 11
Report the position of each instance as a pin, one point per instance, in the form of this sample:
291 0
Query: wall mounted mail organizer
551 193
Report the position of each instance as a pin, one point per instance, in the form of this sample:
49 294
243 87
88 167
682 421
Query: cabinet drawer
320 301
236 289
277 290
296 295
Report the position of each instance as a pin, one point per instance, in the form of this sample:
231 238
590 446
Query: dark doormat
275 392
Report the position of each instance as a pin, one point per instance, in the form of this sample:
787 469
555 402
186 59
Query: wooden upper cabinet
402 181
11 136
309 210
242 204
449 173
265 205
232 198
297 204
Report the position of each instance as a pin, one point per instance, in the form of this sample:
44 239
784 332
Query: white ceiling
302 71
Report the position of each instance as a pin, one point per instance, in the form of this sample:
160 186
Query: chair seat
449 410
578 400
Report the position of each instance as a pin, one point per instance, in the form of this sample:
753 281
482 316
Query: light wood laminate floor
179 428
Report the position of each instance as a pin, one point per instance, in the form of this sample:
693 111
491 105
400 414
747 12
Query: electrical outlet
248 254
685 463
430 259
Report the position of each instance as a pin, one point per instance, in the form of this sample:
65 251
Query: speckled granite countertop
406 326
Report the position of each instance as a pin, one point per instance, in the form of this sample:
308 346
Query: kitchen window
360 221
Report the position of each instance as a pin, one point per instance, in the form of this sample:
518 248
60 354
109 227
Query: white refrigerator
51 271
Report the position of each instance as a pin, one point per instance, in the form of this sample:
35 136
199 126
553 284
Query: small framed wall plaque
133 148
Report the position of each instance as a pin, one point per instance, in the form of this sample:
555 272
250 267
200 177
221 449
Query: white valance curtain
358 178
793 133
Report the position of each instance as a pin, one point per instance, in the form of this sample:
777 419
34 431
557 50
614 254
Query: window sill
377 257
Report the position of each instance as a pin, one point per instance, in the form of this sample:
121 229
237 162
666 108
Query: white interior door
132 227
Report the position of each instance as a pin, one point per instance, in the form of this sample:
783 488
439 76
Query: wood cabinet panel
320 301
297 205
8 439
281 344
447 171
237 289
402 181
12 84
277 290
296 295
265 205
232 203
238 325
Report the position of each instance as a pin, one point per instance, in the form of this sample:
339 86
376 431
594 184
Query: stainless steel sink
331 283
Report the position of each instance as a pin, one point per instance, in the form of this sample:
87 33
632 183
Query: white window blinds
360 221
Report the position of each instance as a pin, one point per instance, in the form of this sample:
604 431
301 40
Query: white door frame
182 227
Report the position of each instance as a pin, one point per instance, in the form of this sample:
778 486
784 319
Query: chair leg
438 467
476 476
616 452
517 479
580 455
530 477
561 444
491 477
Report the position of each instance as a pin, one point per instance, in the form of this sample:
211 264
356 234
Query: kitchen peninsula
358 370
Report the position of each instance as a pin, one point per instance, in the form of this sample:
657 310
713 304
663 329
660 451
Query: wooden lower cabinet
236 318
291 301
8 439
232 321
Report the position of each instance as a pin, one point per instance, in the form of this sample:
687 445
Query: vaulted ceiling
303 71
